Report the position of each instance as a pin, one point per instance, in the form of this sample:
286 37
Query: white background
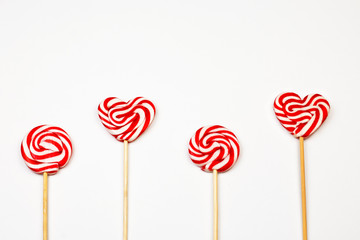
201 62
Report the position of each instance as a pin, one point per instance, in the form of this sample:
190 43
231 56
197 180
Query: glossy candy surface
126 120
301 117
46 149
214 148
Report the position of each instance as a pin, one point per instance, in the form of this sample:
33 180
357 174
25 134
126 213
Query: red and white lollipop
214 149
301 117
45 150
126 121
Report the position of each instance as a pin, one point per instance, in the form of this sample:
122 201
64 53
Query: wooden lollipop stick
45 207
303 190
125 220
215 183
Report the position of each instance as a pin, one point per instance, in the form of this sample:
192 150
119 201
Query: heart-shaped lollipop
301 117
126 121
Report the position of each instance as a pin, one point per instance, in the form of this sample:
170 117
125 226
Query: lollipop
214 149
301 117
45 150
126 121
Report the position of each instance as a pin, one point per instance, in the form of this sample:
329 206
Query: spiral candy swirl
214 148
46 149
126 121
301 117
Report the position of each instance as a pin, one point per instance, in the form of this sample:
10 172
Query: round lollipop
126 121
214 149
301 117
45 150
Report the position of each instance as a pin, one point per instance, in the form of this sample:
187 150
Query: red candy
46 149
301 117
126 121
214 148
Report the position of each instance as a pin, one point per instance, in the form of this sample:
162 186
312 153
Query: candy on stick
126 121
45 150
301 117
214 149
